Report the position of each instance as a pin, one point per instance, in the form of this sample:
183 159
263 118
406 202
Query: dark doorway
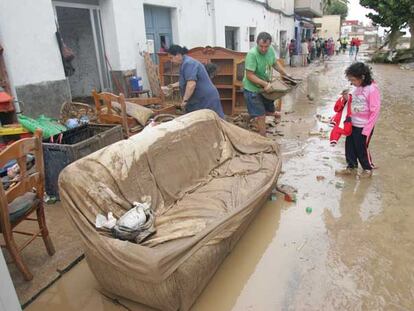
158 27
231 34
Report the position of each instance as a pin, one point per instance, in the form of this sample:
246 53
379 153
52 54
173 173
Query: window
232 38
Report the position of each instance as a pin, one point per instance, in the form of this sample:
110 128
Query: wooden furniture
19 200
107 114
228 78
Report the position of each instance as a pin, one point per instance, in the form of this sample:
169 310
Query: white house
107 37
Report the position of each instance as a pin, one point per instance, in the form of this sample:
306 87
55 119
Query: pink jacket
366 107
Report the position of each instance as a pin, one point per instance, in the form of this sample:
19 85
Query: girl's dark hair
361 71
176 49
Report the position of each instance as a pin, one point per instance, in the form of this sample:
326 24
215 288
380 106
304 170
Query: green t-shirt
261 65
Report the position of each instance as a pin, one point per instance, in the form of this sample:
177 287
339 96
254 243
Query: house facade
305 12
107 38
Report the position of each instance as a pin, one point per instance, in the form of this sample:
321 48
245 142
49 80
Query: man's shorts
257 105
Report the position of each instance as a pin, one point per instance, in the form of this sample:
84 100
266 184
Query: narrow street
353 251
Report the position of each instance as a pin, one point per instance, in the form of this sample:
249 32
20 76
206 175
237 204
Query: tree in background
395 14
336 7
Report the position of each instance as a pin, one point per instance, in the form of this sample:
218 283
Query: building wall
250 14
309 8
194 23
8 297
331 26
32 57
27 32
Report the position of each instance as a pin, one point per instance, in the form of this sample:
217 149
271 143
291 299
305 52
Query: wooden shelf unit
228 78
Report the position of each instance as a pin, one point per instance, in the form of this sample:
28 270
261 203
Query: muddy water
355 251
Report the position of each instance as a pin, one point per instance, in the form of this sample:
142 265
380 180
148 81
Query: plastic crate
73 145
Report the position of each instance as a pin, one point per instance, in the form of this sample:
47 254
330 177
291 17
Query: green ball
309 210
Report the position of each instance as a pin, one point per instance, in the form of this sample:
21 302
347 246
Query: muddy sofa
206 178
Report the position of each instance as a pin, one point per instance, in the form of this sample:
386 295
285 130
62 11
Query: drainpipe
211 9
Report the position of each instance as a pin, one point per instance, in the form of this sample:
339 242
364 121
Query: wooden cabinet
228 77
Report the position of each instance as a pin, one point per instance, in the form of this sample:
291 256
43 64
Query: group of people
198 92
318 48
354 47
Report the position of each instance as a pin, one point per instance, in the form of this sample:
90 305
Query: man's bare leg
261 125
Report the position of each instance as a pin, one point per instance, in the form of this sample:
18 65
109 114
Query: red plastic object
6 102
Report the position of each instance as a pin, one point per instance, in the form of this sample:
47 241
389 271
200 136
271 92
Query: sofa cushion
19 206
232 184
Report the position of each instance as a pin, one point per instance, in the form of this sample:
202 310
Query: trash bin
60 151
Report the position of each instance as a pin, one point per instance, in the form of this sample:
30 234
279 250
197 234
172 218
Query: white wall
124 29
8 297
245 14
28 36
27 31
194 23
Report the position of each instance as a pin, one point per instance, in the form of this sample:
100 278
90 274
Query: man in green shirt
259 63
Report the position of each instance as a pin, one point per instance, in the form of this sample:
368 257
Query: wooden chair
24 197
107 114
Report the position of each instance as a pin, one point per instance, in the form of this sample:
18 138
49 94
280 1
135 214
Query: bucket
136 83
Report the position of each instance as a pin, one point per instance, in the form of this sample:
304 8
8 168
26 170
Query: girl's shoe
365 174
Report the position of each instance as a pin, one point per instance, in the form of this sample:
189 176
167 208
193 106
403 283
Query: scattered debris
323 119
137 224
49 199
302 245
407 66
339 185
322 133
289 192
105 222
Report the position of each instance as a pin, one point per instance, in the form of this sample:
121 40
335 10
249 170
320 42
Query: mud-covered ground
353 251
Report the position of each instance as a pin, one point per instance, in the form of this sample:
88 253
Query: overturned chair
206 178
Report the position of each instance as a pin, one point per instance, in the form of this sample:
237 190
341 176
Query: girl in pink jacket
366 105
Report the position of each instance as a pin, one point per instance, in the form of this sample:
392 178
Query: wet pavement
353 250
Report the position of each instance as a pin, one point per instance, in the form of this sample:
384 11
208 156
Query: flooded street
354 250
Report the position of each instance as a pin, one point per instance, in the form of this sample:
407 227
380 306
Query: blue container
136 84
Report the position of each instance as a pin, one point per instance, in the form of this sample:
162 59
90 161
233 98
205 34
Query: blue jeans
257 105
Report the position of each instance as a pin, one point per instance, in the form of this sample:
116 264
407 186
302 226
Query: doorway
158 28
80 28
232 35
